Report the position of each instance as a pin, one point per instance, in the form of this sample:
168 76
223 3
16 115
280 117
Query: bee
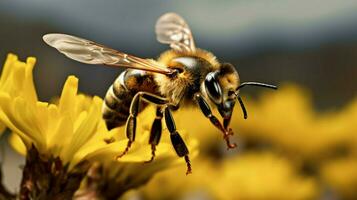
182 76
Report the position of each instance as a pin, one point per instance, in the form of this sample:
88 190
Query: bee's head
220 87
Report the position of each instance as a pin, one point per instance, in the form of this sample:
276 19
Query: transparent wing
173 30
89 52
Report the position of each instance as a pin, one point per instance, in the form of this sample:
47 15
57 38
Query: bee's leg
206 110
226 122
133 113
176 140
155 132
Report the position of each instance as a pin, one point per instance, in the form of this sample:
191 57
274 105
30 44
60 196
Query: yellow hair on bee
168 55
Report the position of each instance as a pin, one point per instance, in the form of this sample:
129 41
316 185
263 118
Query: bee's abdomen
120 94
116 105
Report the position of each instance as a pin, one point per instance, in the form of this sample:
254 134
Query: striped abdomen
119 95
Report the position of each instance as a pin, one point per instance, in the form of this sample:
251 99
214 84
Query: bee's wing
89 52
172 29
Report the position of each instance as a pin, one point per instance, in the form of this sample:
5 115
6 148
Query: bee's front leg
227 119
206 110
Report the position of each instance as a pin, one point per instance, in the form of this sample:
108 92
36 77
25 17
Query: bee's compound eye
213 88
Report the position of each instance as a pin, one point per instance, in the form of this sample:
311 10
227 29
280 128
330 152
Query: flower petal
17 143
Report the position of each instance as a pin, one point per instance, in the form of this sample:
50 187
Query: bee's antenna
245 113
243 107
257 84
253 84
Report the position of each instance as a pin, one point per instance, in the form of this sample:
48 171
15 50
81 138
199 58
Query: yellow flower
246 176
56 130
117 178
10 75
71 134
347 119
341 176
287 120
263 176
72 130
169 185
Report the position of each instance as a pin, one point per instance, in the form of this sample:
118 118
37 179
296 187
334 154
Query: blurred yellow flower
246 176
287 120
347 119
341 176
169 185
262 176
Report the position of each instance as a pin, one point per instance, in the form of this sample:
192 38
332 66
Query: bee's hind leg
176 140
155 133
133 113
206 110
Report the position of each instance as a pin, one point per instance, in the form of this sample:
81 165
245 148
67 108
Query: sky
230 24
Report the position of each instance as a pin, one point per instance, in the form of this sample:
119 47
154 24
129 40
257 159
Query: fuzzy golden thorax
193 68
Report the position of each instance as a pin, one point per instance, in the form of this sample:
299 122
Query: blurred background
307 47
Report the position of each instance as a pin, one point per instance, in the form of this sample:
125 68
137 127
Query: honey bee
182 76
